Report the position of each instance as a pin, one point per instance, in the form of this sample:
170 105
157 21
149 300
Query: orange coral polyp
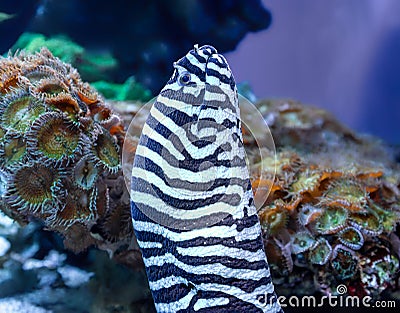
78 206
7 84
68 105
34 73
87 94
50 87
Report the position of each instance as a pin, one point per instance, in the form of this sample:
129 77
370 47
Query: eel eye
184 79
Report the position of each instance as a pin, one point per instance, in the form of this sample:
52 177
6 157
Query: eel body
191 197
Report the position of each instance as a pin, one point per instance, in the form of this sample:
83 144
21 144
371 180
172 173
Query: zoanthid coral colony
333 212
60 150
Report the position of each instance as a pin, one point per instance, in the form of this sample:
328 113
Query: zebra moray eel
192 202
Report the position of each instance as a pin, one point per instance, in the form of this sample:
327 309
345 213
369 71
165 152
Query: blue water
340 55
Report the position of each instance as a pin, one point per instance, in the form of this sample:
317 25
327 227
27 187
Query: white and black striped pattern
192 202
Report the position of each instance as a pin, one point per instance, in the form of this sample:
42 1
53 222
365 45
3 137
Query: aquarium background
340 55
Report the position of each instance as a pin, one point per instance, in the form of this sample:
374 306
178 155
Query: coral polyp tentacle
5 180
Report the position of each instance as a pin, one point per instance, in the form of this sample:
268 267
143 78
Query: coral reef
333 212
60 149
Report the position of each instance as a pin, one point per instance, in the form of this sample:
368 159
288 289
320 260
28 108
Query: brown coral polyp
33 186
102 115
9 80
116 225
66 104
88 95
302 241
321 252
351 237
368 223
51 87
35 73
309 214
79 205
344 262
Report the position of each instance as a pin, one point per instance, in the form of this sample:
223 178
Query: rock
4 246
15 306
74 277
